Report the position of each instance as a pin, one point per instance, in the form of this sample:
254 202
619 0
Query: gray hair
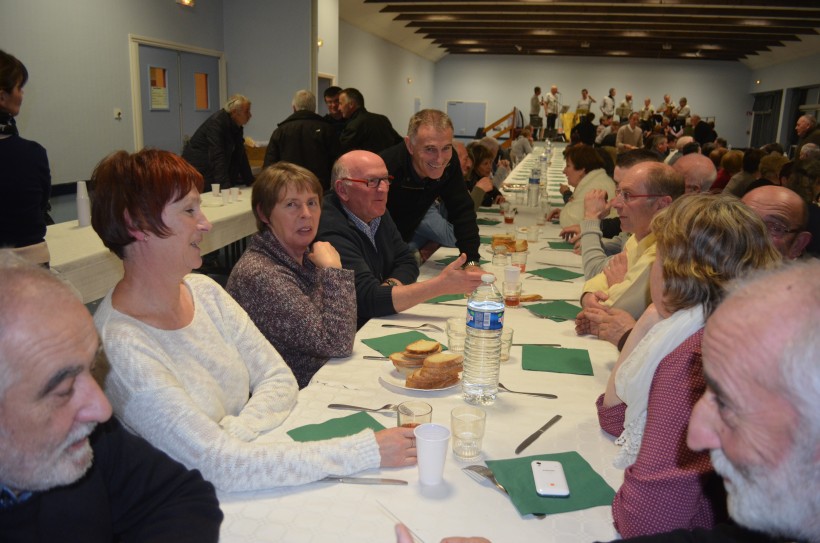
22 282
809 150
428 117
489 143
235 102
812 121
304 100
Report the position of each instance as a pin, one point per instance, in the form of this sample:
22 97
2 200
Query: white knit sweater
205 392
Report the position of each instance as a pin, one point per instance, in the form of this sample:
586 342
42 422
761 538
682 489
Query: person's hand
583 325
504 163
454 280
397 447
571 234
485 184
611 323
403 535
595 204
324 255
563 188
500 199
594 299
616 269
554 214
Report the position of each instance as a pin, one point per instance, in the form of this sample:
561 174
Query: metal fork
478 473
419 327
385 407
539 394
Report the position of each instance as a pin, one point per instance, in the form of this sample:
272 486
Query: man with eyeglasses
643 191
786 217
355 220
424 169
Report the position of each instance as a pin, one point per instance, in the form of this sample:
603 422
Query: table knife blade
363 480
527 442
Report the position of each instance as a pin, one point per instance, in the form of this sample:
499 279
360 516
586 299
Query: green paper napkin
487 222
341 427
561 245
586 488
395 343
556 274
556 360
450 259
445 298
489 210
558 311
486 240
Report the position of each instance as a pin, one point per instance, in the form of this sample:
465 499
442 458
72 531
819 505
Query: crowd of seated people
201 372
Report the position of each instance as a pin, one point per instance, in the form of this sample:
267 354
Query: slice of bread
446 360
422 379
404 364
423 346
530 297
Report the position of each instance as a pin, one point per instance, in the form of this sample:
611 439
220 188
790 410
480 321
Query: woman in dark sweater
298 296
25 181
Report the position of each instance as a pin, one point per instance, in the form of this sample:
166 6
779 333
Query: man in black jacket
364 130
305 139
217 148
424 168
65 473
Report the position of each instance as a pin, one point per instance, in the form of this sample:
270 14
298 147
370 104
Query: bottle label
481 320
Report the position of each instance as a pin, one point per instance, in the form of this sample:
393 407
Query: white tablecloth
327 512
79 256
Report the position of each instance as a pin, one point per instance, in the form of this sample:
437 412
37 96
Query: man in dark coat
364 131
305 139
217 148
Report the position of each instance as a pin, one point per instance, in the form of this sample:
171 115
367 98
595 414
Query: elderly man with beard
423 169
67 472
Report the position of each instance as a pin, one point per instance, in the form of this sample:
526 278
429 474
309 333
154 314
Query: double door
179 90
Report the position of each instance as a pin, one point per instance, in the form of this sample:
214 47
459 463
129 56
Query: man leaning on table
758 417
423 169
355 220
67 471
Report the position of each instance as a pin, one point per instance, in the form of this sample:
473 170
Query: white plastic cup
215 189
226 197
234 194
431 447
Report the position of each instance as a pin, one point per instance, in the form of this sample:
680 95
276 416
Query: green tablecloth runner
341 427
558 311
586 488
395 343
556 359
556 274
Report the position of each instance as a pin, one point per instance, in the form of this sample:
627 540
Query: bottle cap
488 278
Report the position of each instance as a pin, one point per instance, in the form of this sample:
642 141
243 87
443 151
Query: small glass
512 294
456 334
506 343
533 232
412 413
509 216
467 425
520 259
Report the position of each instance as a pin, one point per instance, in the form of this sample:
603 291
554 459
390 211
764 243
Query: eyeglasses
371 183
778 230
626 196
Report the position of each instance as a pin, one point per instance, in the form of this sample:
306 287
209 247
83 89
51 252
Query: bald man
786 217
698 172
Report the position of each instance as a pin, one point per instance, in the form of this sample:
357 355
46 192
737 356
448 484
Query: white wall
268 48
380 70
328 20
713 89
802 72
77 57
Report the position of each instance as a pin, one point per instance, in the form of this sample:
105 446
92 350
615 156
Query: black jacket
132 492
305 139
371 267
368 131
410 197
217 151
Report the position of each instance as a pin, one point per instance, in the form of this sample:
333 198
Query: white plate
392 376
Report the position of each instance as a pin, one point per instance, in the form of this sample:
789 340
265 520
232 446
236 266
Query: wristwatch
392 282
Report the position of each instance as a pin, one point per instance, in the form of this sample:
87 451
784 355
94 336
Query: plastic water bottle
534 187
482 347
543 161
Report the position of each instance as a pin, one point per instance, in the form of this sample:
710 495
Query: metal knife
368 357
527 442
362 480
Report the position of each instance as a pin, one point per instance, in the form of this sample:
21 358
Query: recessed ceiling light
440 18
755 22
540 32
476 50
585 44
467 42
710 47
618 53
635 34
667 46
546 51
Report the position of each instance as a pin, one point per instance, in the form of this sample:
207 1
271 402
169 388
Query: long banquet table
327 512
79 256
